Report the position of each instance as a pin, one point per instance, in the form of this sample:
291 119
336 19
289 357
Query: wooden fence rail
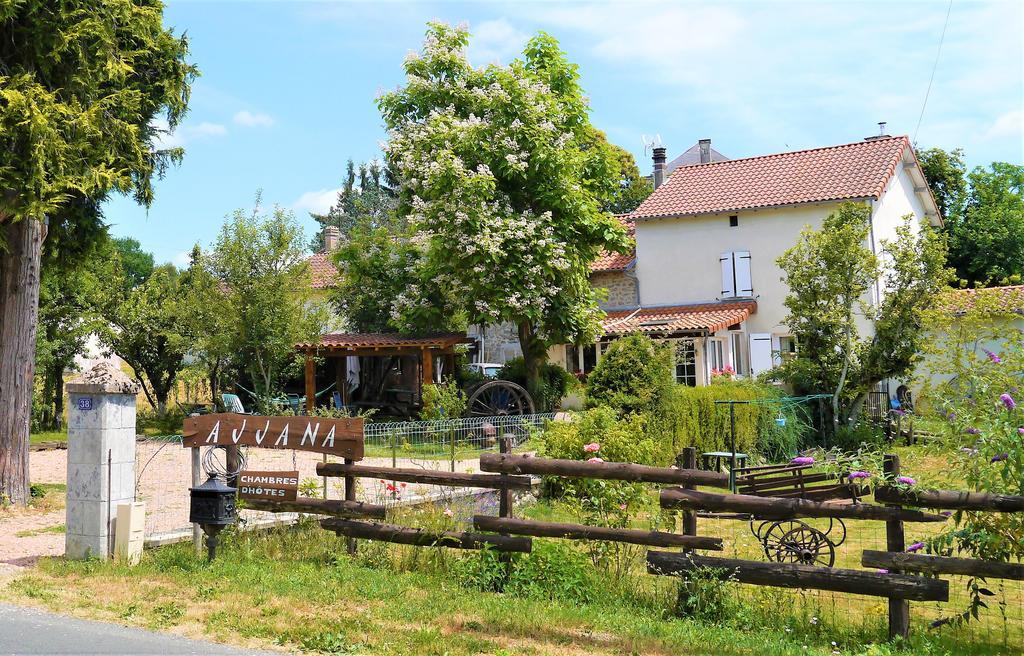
508 463
320 507
911 562
787 575
425 477
584 532
420 538
779 508
950 499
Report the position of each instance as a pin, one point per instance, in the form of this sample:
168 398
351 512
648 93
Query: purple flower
1020 431
802 460
995 359
951 415
946 513
859 474
1000 457
973 431
1008 401
900 412
906 480
917 546
883 571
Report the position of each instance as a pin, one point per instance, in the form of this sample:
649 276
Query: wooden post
197 480
310 384
233 463
427 358
895 541
688 460
341 378
350 495
505 506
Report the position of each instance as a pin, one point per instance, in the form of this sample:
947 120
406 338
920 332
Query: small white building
704 273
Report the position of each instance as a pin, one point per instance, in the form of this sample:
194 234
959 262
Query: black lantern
213 508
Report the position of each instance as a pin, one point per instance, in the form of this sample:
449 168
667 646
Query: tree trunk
534 356
19 313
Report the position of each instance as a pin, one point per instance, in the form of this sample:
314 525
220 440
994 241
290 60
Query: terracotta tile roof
384 340
325 274
857 170
705 317
997 300
611 262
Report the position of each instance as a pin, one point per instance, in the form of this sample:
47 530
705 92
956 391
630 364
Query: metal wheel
805 545
497 398
840 536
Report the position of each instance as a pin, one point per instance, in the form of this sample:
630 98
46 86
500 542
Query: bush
633 376
552 570
621 439
555 382
443 401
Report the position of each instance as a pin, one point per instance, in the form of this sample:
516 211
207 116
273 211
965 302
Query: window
787 348
716 354
572 358
760 352
589 358
736 281
686 363
734 221
737 353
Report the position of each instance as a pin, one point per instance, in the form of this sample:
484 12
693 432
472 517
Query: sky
288 89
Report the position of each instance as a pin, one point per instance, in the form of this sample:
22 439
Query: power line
934 66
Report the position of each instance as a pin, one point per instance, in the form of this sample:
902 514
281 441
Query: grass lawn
48 436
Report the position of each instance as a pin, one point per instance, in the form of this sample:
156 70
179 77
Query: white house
704 273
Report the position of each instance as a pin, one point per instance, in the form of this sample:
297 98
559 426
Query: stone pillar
101 458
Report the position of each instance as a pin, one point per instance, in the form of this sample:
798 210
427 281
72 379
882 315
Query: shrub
443 401
621 439
633 376
555 382
552 570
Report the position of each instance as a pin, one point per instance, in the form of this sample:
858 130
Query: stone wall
620 287
500 342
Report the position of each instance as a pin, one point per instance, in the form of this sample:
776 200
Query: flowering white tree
502 182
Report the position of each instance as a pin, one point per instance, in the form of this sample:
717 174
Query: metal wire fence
164 467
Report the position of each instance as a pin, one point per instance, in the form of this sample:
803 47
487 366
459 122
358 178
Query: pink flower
593 447
595 460
906 480
622 506
883 571
448 512
802 460
1020 431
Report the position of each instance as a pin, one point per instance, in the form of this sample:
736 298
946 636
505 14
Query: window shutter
744 285
728 275
760 352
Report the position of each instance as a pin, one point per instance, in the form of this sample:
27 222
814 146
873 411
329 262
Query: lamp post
212 506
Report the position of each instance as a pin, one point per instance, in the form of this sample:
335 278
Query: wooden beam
780 508
320 507
427 360
509 463
584 532
911 562
950 499
420 538
310 383
424 476
788 575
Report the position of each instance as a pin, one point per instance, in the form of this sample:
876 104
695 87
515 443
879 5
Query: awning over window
702 319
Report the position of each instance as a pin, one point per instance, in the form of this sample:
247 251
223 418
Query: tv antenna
650 143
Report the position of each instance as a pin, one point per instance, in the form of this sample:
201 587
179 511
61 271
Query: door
760 352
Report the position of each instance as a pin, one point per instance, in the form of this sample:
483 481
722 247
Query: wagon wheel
499 397
805 545
758 530
770 532
840 536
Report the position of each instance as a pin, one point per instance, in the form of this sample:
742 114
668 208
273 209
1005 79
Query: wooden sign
270 485
338 437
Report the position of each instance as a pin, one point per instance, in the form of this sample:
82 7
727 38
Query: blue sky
288 88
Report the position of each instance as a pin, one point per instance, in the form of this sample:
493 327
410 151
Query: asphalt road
31 631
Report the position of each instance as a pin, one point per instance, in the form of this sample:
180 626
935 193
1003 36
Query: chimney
881 132
659 166
332 239
705 150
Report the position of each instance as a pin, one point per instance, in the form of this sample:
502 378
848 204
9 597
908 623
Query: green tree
207 320
633 188
372 203
503 183
136 264
80 86
145 328
835 283
259 266
987 245
946 174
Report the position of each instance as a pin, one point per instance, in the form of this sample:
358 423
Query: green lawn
48 436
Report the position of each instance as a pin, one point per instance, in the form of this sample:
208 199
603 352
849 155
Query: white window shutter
728 275
744 285
760 352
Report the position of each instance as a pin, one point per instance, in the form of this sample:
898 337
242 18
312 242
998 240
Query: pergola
421 353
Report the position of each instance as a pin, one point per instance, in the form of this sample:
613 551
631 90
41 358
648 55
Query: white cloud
1006 126
495 41
318 201
253 119
182 260
184 134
